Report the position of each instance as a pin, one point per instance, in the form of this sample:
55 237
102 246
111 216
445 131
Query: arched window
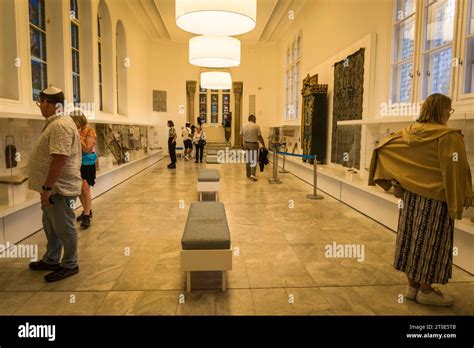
292 79
99 50
76 71
39 69
105 57
122 64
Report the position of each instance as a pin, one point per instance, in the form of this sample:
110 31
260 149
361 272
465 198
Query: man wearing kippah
54 172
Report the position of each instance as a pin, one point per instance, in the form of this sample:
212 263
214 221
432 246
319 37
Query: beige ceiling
159 20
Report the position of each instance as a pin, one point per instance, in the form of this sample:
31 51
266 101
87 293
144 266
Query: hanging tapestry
347 105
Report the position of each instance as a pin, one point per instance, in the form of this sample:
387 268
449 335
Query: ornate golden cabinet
315 119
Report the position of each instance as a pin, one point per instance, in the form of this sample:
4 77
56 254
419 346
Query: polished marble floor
129 258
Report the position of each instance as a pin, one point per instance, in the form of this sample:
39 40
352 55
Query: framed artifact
314 120
159 101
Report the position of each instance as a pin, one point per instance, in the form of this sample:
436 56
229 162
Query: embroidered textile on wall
347 105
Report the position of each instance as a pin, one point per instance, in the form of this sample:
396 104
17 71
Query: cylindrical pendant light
214 51
216 17
216 80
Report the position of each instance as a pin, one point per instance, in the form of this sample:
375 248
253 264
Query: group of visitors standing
192 135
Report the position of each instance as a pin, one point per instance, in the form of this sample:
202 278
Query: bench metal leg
188 281
224 280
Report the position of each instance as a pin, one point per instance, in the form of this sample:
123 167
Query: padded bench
212 152
206 244
212 162
208 181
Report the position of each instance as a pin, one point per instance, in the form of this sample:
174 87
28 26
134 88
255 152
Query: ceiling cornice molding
297 6
169 42
145 13
138 13
280 11
159 23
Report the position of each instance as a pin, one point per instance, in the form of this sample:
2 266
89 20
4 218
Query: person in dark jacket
263 158
172 144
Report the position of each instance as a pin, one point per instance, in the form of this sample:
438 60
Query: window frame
428 53
421 18
100 75
34 59
461 96
75 22
396 23
220 105
117 90
293 77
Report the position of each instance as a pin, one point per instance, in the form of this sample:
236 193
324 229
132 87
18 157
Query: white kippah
52 90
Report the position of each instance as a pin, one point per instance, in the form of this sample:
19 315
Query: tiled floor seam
250 289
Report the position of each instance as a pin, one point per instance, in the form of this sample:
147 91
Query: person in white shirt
187 140
250 135
199 140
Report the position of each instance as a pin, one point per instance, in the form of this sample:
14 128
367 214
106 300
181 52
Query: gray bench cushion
212 160
206 227
212 152
208 175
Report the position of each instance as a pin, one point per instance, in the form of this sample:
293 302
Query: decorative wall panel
347 105
159 101
314 120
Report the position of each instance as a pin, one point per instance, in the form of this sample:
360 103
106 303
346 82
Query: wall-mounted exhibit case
315 119
288 136
117 144
291 138
274 137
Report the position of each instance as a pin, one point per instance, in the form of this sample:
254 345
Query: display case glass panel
373 133
116 145
17 139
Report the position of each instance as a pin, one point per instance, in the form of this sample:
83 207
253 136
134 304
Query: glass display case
291 139
354 153
119 144
116 145
274 137
289 136
17 139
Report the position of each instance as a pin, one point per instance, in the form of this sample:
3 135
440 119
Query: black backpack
10 152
